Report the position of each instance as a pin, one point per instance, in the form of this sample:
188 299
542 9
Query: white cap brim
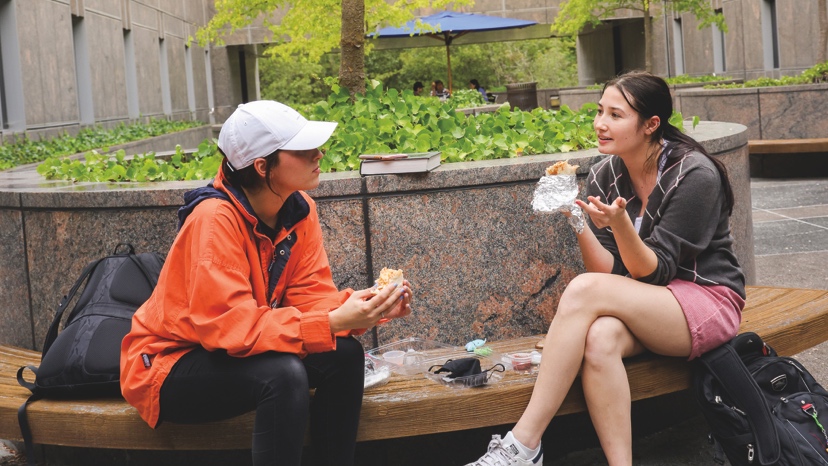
311 136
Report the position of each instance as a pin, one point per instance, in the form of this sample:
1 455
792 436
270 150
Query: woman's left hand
403 308
604 215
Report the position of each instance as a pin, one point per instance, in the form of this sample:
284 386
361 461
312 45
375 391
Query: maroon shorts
713 313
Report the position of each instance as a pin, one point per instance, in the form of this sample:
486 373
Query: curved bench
791 320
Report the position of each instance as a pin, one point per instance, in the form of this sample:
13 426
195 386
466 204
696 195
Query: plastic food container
523 362
417 355
492 367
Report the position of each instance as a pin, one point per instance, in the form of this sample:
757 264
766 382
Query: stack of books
383 164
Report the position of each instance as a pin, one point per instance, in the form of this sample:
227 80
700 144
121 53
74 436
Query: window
678 46
719 62
770 37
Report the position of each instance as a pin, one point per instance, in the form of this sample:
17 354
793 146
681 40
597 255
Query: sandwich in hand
388 277
561 168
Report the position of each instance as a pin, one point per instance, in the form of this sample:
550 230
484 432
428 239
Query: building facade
66 64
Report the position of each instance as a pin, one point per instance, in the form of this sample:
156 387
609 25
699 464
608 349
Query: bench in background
790 320
778 158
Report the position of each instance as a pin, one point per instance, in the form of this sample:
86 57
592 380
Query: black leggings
208 386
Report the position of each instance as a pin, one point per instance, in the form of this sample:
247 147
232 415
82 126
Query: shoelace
496 454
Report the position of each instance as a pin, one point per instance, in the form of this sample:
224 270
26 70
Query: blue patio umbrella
450 25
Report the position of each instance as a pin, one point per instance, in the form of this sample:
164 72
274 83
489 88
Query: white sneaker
506 453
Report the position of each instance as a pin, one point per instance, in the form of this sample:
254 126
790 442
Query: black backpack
762 409
84 359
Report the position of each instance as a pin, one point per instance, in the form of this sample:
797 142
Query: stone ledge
483 263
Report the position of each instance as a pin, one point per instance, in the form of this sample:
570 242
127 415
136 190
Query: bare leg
606 388
650 312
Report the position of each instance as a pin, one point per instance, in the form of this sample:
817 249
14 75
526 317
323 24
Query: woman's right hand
363 309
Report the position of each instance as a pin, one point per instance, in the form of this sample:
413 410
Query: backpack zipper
718 400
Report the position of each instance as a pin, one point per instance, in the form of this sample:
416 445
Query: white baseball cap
257 129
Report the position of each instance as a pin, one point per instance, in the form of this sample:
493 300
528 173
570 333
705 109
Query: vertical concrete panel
594 49
178 75
47 61
199 78
226 84
698 57
148 72
754 54
632 45
106 58
798 25
734 40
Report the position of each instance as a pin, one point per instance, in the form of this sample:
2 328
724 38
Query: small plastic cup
522 362
395 357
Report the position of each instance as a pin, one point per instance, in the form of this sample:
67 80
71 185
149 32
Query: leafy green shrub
200 165
385 122
815 74
377 122
687 79
29 151
467 98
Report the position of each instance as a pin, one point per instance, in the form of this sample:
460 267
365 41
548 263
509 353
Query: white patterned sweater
685 224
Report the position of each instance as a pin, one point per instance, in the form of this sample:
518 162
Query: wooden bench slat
791 320
787 146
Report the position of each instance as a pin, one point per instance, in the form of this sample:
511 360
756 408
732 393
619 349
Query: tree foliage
575 15
305 30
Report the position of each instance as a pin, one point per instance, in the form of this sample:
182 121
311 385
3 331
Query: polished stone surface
15 312
482 263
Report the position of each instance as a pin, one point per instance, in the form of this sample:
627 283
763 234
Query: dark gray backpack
84 358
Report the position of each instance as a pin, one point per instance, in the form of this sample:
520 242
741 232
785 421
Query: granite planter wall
483 264
777 112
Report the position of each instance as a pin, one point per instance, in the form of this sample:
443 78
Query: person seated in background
475 84
437 90
418 88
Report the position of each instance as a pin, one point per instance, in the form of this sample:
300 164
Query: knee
579 295
603 342
283 373
349 352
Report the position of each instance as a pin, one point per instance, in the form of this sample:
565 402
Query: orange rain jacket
212 292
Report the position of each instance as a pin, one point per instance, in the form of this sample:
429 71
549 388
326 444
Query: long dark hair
649 96
248 178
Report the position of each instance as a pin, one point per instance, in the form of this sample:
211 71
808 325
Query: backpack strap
64 303
727 367
23 418
151 278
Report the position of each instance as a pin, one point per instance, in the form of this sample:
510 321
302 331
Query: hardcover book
383 164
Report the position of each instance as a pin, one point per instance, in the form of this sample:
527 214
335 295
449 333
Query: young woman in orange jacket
245 315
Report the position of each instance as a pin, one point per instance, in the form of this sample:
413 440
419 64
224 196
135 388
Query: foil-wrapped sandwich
557 191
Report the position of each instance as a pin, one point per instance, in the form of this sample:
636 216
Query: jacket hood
294 210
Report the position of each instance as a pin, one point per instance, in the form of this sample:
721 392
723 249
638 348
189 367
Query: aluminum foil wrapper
557 193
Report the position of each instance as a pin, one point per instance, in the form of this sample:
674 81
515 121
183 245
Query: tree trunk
648 37
823 31
352 45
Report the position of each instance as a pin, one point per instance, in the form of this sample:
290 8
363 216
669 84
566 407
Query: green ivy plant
390 121
377 122
467 98
815 74
199 165
30 151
